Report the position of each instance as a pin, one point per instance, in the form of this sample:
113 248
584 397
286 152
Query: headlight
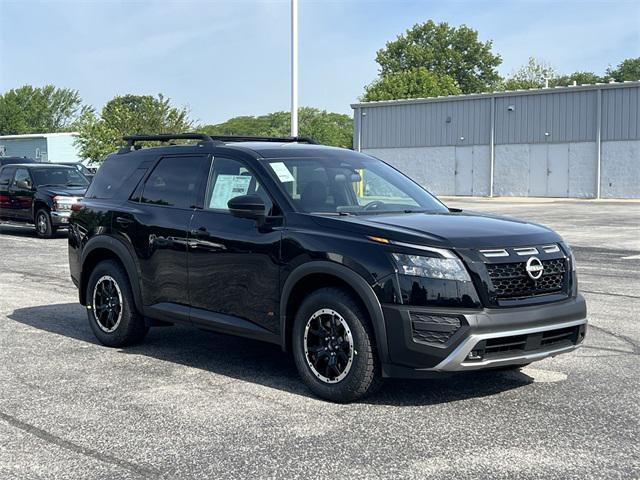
572 258
62 203
431 267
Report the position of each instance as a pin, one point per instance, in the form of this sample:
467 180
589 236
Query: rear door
158 226
6 177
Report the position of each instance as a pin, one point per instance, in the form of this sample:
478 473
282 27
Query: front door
156 221
234 262
21 194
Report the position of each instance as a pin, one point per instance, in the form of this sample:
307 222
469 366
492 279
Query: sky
223 58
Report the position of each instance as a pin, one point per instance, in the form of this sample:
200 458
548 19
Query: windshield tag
283 173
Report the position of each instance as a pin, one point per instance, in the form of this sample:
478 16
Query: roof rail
205 139
163 137
252 138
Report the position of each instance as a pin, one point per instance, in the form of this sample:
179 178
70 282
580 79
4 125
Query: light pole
294 68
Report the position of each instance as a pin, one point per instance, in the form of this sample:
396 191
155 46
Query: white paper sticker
283 173
228 187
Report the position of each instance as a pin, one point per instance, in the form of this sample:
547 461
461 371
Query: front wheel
334 346
44 226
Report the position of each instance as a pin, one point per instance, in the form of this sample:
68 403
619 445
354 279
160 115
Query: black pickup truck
42 195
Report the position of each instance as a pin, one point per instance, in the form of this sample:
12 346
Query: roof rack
204 139
251 138
163 137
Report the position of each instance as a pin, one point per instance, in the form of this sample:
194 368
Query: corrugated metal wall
555 115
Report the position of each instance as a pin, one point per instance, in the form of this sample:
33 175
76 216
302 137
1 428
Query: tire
356 370
44 227
110 307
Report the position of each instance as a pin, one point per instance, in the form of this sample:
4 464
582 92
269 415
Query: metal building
578 141
42 147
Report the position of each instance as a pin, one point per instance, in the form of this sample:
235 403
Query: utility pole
294 68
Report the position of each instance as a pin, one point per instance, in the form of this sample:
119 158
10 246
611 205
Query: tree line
429 59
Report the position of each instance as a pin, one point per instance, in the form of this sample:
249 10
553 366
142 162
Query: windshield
355 184
63 176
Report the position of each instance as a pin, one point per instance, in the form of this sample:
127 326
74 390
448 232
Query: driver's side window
230 178
22 179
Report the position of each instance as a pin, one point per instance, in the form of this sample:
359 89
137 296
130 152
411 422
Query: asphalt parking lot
193 404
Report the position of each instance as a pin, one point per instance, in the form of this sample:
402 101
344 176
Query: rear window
6 174
111 175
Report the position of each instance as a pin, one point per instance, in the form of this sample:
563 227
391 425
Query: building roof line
38 135
498 94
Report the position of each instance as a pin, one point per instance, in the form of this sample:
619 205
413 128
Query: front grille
517 344
510 280
433 329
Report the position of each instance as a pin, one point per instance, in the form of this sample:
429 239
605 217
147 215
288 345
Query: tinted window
22 175
175 182
67 176
228 179
5 176
111 175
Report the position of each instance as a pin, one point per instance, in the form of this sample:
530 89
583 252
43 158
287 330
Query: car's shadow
262 363
27 231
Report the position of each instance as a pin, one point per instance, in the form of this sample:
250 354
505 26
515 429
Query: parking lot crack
88 452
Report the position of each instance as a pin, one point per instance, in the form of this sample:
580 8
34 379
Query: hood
54 190
455 229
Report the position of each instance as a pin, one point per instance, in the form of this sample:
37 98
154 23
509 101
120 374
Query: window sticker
283 173
228 187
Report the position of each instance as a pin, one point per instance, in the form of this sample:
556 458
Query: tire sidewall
49 231
122 335
362 342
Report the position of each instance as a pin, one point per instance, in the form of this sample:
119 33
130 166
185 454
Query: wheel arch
313 275
107 248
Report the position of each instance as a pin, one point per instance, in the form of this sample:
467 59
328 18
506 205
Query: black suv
329 253
40 194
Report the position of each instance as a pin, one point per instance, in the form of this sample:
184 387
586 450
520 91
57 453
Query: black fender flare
355 281
120 250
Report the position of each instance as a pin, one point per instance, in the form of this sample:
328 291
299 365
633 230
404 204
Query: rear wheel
334 346
110 307
44 227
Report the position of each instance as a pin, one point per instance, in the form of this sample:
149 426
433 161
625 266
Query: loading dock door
464 171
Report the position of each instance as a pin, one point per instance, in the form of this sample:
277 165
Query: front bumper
486 338
60 219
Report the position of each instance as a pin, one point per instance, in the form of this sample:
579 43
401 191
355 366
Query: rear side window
111 175
175 182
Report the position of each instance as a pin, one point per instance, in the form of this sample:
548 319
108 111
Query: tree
128 115
325 127
531 75
580 78
628 69
443 50
413 83
45 109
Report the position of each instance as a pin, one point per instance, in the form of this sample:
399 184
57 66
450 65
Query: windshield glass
355 184
67 176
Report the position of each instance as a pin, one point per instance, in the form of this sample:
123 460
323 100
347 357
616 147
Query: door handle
124 222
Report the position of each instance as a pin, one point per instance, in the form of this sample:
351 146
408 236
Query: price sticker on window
283 173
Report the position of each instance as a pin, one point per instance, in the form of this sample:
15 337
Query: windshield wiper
75 184
333 214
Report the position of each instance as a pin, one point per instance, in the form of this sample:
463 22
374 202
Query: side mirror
23 184
247 206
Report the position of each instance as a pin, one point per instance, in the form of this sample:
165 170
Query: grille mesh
510 280
433 328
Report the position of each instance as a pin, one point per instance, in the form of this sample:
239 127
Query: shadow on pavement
27 231
261 363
